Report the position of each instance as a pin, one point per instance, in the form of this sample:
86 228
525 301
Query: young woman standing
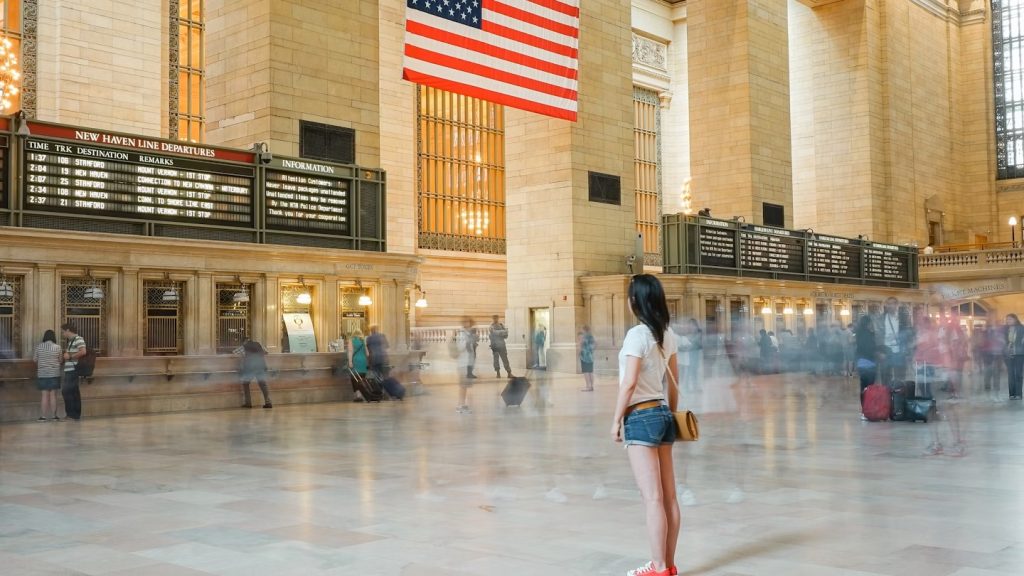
643 418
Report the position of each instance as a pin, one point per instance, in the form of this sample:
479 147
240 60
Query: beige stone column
330 300
555 234
129 336
740 145
39 295
269 291
204 304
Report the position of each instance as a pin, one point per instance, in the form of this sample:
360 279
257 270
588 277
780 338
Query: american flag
520 53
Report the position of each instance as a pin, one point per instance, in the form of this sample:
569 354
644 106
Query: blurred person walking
377 351
586 343
498 335
866 353
465 342
892 330
70 389
540 338
643 418
1014 356
254 367
993 345
48 358
695 355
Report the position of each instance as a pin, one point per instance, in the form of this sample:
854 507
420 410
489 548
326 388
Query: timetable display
85 179
832 256
717 245
885 262
307 197
771 250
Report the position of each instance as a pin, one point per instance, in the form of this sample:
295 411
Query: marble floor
786 481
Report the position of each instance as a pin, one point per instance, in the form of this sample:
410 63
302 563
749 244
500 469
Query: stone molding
650 53
952 14
29 56
173 50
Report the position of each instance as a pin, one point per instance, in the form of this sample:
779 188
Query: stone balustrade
972 264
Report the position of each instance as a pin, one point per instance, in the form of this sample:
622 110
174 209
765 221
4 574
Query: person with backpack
254 367
76 350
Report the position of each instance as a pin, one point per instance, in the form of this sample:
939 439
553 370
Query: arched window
460 148
1008 75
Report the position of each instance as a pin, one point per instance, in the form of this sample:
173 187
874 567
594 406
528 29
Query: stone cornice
942 9
650 53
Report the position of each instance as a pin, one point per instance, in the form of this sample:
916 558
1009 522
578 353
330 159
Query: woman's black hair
1016 320
864 323
49 336
647 300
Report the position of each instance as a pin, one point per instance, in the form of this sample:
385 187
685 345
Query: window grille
460 149
326 142
234 316
84 304
164 319
1008 79
188 70
647 170
11 316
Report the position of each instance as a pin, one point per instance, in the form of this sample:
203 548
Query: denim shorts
650 427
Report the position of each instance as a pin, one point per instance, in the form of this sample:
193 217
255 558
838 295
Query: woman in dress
643 418
49 360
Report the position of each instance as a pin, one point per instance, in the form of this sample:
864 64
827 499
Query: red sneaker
673 571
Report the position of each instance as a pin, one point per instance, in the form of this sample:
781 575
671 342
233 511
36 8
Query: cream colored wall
675 121
460 285
102 64
276 63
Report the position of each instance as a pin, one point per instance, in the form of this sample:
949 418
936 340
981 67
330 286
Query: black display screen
830 256
308 202
886 262
771 250
94 180
717 245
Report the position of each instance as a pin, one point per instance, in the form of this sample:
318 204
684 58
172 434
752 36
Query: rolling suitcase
369 388
393 387
515 391
877 402
900 394
922 409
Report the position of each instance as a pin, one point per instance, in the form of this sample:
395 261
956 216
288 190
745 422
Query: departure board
833 256
700 245
771 249
303 196
70 177
886 262
717 244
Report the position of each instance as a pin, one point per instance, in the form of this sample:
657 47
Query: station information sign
135 178
304 196
735 248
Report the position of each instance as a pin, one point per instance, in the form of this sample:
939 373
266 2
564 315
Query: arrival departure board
771 249
72 177
833 256
884 261
306 196
699 245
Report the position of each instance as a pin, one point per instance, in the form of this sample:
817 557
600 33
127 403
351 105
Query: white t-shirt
639 342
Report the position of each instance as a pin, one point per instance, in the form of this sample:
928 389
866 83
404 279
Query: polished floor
786 481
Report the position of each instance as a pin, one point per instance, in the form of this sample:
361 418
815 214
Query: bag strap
664 362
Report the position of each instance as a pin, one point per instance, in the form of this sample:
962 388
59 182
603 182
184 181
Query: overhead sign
304 196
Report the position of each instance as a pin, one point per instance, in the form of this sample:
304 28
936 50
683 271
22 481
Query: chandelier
476 220
10 76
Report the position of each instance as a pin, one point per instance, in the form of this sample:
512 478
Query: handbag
687 427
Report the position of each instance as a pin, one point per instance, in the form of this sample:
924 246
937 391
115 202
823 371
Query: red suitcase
877 402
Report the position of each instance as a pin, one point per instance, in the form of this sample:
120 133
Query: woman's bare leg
646 465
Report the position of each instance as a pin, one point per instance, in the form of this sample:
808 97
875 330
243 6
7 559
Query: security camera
630 260
266 157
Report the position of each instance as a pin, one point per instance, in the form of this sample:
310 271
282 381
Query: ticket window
296 314
822 315
762 315
739 312
780 318
713 317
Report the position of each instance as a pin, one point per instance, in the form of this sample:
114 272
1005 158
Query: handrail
946 248
989 258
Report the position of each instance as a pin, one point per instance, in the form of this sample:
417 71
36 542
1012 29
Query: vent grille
191 233
325 142
369 210
84 224
605 188
312 241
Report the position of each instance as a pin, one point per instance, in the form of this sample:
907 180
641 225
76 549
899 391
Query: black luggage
368 387
515 391
900 394
922 409
393 387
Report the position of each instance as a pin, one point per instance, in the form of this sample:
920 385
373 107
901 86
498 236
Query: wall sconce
844 312
94 291
304 297
6 290
766 310
171 294
808 311
421 302
364 298
241 297
787 311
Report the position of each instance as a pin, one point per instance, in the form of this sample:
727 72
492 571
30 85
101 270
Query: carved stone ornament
650 53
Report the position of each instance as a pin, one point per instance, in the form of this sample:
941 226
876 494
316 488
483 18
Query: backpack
86 364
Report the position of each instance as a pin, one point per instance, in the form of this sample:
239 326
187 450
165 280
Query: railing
993 258
440 334
971 247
